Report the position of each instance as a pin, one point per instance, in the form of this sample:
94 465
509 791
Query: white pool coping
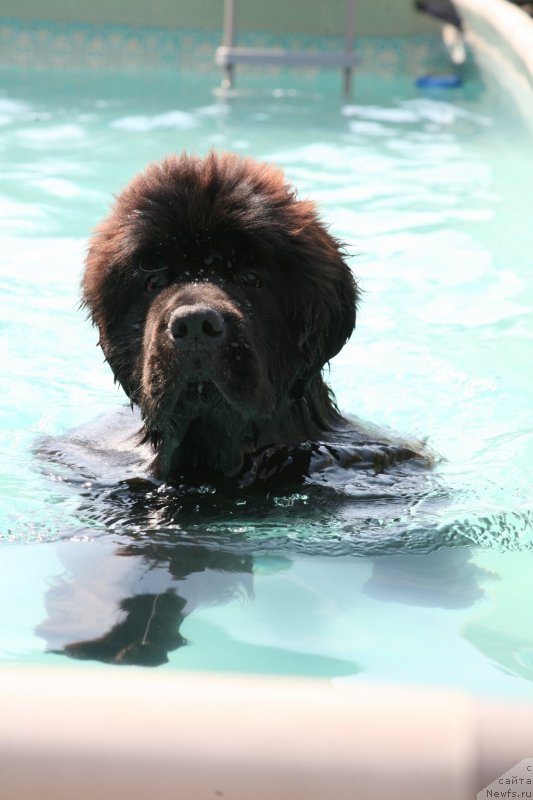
137 734
501 38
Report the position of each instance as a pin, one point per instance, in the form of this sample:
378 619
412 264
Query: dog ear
342 314
322 289
329 321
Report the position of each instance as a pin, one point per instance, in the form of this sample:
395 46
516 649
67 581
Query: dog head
218 294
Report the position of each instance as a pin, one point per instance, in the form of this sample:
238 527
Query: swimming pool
431 192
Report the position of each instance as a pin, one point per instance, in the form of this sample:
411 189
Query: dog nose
195 323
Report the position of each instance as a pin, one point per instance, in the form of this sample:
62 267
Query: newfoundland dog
219 296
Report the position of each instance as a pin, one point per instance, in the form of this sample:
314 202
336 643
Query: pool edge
500 36
126 733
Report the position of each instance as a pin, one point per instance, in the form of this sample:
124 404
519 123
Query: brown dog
219 297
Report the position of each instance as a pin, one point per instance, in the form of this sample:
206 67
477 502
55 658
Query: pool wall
391 37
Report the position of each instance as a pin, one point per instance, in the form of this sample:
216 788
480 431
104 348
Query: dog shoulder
108 448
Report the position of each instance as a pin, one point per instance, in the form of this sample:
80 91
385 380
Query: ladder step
228 56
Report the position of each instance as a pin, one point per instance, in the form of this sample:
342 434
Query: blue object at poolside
438 81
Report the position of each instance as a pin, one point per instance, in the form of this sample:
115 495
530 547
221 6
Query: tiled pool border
86 46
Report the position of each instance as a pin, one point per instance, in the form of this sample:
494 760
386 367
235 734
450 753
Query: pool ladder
228 56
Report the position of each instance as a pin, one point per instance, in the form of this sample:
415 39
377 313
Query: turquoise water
432 193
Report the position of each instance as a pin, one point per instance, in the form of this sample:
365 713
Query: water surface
432 194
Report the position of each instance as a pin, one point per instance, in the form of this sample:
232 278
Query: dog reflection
126 604
140 594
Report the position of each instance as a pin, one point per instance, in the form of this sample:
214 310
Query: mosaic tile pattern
51 45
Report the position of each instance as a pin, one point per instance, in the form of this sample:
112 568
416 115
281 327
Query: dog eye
156 281
249 278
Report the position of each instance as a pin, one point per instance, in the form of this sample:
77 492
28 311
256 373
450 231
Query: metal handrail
228 55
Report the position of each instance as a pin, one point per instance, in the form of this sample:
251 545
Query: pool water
432 193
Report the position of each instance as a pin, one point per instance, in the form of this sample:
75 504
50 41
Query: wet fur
188 233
